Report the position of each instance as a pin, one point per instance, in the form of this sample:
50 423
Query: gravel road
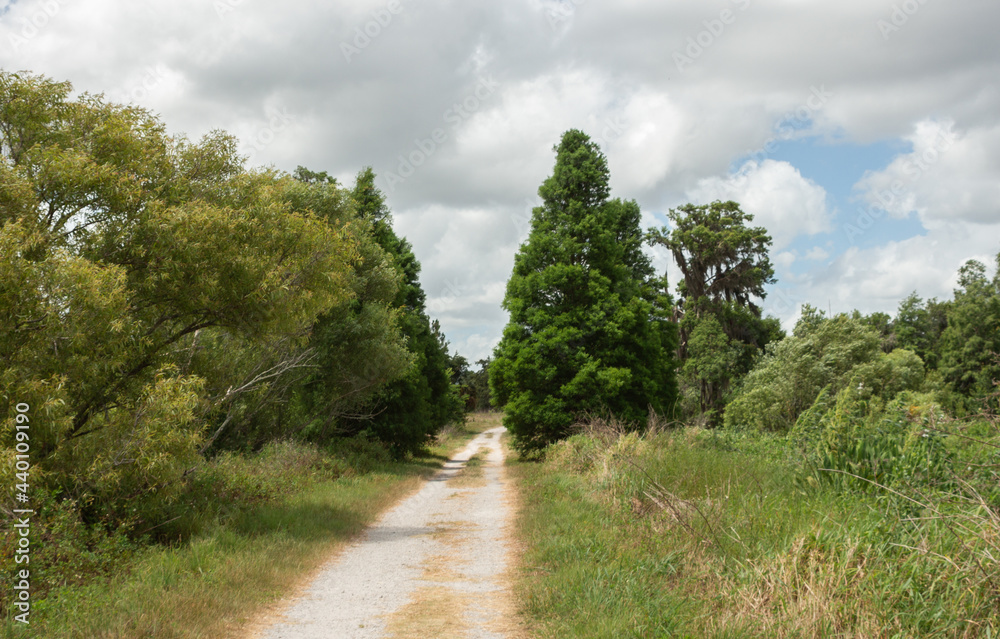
433 566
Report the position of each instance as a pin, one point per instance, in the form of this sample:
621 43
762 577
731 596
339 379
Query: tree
918 327
406 412
970 345
822 353
725 267
589 327
125 251
354 348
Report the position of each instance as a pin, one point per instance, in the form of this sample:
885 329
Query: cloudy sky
863 134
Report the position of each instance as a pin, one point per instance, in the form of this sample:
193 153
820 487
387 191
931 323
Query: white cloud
783 260
669 134
876 279
949 176
780 199
817 253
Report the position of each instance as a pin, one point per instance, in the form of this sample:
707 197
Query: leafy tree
882 324
970 345
125 251
918 326
725 267
480 385
589 328
821 353
352 350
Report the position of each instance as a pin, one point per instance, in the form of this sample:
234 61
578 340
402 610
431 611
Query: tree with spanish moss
725 267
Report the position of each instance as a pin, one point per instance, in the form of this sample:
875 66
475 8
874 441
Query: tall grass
255 528
697 533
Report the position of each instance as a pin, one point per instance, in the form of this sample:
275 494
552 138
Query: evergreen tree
589 327
970 345
918 326
407 412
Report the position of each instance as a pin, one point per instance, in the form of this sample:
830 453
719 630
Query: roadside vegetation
689 532
201 362
210 373
257 529
842 480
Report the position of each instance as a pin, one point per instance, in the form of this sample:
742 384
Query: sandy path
434 566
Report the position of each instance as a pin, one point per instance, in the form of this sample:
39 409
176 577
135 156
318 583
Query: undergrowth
244 529
689 532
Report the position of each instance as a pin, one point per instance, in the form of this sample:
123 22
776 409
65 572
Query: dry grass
433 611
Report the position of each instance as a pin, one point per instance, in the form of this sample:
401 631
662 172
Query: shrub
854 443
836 353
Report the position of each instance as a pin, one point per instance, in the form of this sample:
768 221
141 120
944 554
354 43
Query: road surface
434 566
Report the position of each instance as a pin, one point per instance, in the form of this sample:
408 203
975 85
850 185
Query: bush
854 443
836 353
64 550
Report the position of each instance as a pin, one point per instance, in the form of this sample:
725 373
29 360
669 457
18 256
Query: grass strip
218 583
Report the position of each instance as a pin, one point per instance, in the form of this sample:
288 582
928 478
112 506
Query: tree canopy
159 300
725 267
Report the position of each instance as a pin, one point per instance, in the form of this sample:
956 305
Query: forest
179 330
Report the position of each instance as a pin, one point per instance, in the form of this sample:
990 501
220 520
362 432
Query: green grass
216 582
692 534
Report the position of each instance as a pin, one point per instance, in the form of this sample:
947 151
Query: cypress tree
589 329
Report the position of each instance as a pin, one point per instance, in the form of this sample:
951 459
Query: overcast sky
863 134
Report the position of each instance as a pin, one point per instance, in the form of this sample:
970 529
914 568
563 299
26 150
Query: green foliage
704 533
918 326
588 329
358 345
65 552
725 267
408 411
158 299
970 345
837 353
857 444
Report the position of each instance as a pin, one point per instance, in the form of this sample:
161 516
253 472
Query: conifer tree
407 412
589 329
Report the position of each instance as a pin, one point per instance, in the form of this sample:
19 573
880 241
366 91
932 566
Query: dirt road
434 566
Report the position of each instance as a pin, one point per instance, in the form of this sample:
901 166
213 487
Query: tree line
160 302
594 331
